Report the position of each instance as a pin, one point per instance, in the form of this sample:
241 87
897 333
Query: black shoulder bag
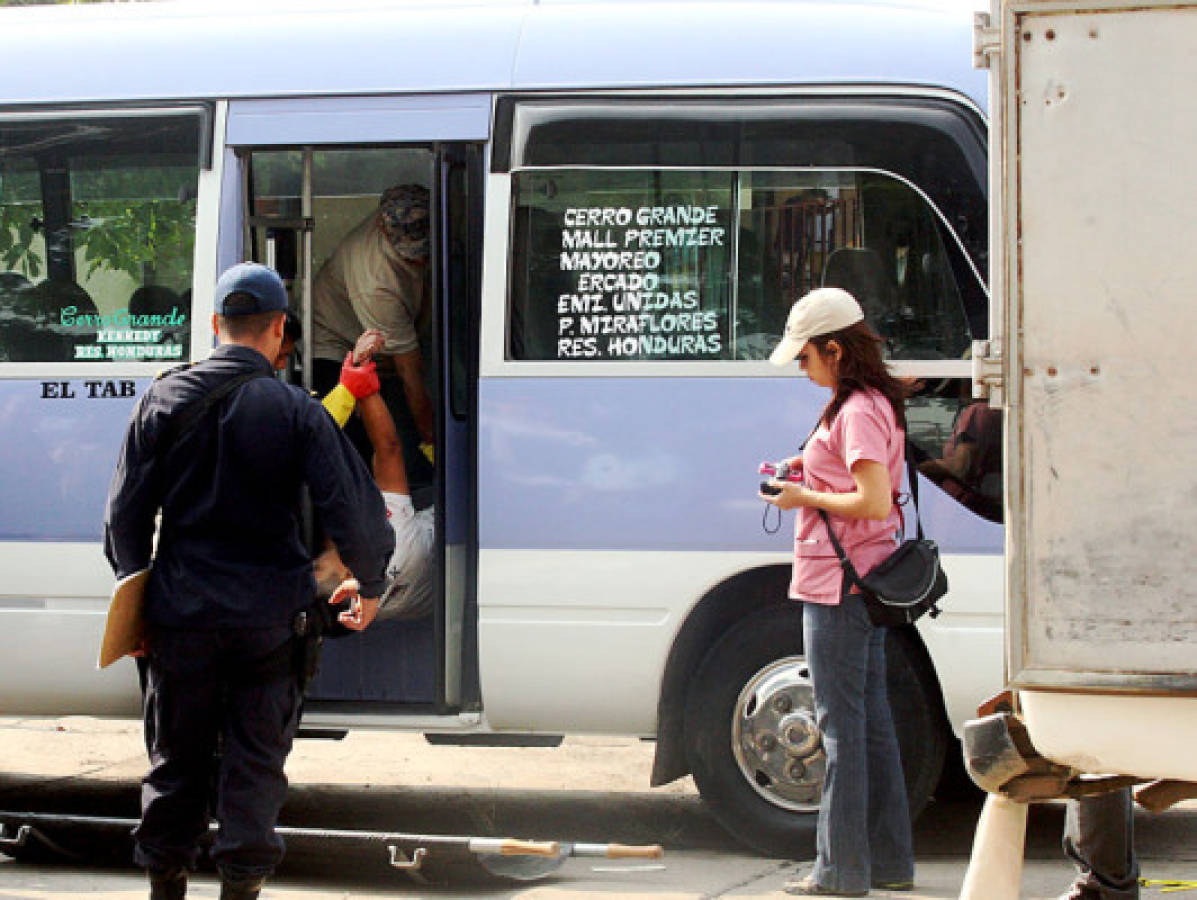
908 582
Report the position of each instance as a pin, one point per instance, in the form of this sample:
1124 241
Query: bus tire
751 689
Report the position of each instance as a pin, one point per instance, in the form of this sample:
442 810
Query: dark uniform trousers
238 686
1099 836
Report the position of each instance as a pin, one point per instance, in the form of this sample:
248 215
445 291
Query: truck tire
750 737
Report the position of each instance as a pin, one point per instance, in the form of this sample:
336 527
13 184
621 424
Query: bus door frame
441 123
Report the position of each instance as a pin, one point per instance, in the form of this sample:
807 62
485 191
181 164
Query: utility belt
309 628
297 658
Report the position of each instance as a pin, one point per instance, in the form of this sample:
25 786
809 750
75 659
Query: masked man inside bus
378 278
408 594
232 582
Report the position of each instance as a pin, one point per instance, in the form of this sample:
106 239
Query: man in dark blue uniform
230 581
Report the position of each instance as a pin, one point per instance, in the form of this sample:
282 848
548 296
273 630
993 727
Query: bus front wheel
751 739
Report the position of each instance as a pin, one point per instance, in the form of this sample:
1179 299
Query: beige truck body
1093 355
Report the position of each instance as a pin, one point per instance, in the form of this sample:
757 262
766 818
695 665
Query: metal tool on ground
426 858
529 867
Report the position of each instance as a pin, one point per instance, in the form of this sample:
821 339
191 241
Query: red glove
361 381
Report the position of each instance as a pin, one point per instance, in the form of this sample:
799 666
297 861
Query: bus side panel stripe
655 464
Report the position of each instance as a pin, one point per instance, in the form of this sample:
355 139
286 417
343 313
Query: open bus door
296 203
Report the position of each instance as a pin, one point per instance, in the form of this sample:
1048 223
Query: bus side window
621 265
866 232
535 251
634 265
740 207
96 211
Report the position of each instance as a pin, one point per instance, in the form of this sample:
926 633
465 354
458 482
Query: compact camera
779 471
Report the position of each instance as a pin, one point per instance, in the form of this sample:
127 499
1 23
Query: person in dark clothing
1099 837
229 582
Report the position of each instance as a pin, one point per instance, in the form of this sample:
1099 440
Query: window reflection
722 290
97 233
958 443
865 232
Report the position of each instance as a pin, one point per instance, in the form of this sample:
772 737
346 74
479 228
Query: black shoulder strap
845 563
912 477
181 424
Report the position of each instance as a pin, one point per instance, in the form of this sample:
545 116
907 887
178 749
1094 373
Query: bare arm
872 499
389 471
410 369
955 465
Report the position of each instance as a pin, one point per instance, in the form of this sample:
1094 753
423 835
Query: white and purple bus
627 198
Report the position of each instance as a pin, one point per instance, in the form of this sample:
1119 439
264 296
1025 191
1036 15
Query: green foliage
135 237
16 239
131 212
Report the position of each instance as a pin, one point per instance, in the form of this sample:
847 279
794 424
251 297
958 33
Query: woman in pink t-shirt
852 469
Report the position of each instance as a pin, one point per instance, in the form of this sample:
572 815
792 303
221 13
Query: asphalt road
590 789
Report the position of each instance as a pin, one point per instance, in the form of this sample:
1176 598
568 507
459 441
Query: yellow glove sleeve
340 403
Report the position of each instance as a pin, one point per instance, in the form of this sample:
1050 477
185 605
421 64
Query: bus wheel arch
719 610
756 660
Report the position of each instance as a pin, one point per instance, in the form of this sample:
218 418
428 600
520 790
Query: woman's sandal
808 887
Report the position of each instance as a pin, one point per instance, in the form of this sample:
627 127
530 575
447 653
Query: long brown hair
861 367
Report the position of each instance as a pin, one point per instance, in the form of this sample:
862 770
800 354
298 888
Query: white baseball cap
822 311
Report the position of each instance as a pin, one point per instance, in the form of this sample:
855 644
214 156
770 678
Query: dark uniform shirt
229 550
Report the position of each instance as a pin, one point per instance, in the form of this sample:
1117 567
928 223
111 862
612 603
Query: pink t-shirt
864 428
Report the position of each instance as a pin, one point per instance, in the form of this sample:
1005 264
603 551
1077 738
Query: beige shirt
366 284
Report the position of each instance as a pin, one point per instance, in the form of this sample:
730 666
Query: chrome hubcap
775 740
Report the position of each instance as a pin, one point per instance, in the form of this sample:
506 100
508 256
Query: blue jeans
864 820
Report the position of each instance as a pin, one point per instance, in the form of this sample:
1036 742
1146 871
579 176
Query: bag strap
183 423
912 477
845 563
849 569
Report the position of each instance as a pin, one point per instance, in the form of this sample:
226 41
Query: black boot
168 884
240 888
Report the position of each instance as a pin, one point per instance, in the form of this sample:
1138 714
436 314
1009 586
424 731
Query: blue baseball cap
256 280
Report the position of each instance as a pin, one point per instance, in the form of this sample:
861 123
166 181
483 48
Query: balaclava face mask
403 215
